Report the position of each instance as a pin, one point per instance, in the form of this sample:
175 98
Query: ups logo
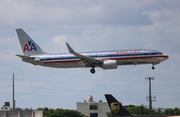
115 107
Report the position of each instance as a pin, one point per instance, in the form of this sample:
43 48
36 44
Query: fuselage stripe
102 58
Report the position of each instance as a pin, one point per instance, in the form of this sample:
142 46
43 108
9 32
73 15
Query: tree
138 110
159 111
59 112
143 110
171 111
109 114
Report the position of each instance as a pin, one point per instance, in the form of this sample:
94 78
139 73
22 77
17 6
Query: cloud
59 39
109 13
57 43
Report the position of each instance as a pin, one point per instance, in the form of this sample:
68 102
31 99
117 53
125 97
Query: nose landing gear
92 70
153 67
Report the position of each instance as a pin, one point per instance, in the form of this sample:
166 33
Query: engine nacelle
109 64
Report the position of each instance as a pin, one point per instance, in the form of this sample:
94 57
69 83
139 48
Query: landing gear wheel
92 71
153 67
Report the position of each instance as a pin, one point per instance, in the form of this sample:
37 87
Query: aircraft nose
166 56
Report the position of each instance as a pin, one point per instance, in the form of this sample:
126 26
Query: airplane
118 110
33 54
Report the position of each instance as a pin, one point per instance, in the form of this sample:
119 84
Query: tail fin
116 108
29 47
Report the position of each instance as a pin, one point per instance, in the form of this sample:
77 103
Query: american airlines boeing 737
33 54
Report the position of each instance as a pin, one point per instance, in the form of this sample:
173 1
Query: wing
85 60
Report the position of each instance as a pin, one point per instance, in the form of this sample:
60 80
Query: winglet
69 48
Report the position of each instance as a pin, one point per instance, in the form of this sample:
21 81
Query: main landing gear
92 70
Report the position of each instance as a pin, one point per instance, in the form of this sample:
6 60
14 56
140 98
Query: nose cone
165 56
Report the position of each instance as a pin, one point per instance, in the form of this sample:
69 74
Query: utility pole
150 97
13 101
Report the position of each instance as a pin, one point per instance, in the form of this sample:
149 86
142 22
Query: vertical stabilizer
116 108
29 47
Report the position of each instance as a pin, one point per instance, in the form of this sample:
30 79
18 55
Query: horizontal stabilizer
25 57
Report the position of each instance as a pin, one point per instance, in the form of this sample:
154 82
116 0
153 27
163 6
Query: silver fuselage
122 57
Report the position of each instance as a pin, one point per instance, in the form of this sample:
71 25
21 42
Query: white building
93 109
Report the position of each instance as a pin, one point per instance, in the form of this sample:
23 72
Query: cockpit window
159 52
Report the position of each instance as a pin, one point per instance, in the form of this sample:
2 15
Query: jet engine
109 64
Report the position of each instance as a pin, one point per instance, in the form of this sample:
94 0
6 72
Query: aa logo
115 107
29 47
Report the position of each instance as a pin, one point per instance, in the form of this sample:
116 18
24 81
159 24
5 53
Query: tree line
135 110
144 110
59 112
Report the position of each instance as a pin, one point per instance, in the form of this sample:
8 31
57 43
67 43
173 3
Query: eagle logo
115 107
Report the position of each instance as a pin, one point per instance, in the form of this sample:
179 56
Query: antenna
13 101
150 97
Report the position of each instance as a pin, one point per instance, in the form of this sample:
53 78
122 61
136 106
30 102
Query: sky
90 25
